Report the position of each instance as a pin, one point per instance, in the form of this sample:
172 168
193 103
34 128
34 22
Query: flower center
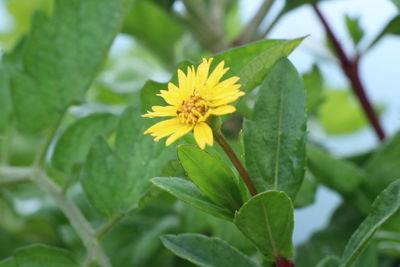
191 110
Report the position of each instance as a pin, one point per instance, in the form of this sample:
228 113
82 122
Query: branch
351 70
12 175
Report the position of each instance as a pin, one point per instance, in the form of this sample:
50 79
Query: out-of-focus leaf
149 97
307 191
153 26
340 113
383 167
5 99
212 176
313 84
385 205
393 27
397 3
21 11
189 193
206 251
115 180
59 58
267 220
38 256
354 29
329 261
275 137
73 146
339 175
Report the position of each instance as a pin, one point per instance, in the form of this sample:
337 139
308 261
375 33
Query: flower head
199 96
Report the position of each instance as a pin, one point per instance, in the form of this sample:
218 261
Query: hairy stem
350 68
236 162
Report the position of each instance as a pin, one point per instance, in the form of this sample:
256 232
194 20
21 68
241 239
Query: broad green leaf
267 220
385 205
74 144
275 137
307 191
339 175
39 256
253 74
383 167
5 99
212 176
341 113
149 97
313 84
354 29
189 193
60 57
155 28
393 27
115 180
329 261
206 251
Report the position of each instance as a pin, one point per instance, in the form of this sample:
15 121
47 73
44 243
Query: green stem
236 162
108 225
13 175
273 23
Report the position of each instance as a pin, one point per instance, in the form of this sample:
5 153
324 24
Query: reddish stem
351 70
282 262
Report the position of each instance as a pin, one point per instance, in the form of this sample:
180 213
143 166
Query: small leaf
206 251
385 205
74 144
38 256
212 176
267 220
354 29
189 193
307 191
393 27
275 137
115 180
314 85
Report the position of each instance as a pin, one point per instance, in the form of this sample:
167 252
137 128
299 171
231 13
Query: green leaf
393 27
74 144
385 205
115 180
267 220
189 193
206 251
354 29
307 191
341 113
149 97
339 175
275 137
397 3
329 261
383 167
255 71
314 85
155 28
38 256
5 99
212 176
60 58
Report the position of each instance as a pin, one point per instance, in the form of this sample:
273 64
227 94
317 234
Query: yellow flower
198 97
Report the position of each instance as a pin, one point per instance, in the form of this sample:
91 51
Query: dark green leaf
74 144
148 95
39 256
154 27
212 176
313 84
354 29
393 27
385 205
60 58
206 251
329 261
383 167
267 220
115 180
189 193
275 137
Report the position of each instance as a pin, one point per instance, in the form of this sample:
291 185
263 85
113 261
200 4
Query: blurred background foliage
155 37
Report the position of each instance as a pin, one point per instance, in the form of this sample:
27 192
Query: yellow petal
159 111
203 134
184 129
162 125
226 100
202 71
223 110
216 75
169 97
